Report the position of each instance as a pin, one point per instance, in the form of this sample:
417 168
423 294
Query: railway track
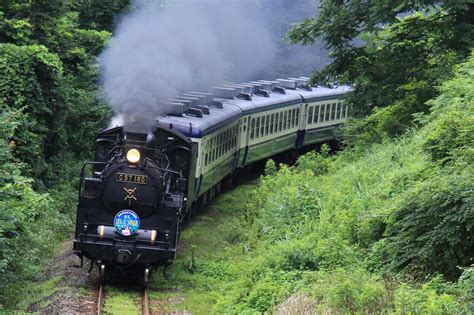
101 299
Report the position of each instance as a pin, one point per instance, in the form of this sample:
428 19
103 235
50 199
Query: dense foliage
30 221
47 71
50 110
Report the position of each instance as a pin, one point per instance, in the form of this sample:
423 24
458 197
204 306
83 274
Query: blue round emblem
126 222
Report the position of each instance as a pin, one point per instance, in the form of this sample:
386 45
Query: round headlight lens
133 155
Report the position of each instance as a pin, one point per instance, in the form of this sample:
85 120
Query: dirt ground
76 291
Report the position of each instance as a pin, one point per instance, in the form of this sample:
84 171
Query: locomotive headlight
133 156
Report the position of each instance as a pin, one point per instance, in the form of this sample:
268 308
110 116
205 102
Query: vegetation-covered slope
50 111
371 230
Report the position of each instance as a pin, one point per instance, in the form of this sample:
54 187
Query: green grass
210 246
40 294
119 301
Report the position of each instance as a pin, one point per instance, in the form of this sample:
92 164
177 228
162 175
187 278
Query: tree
48 72
394 53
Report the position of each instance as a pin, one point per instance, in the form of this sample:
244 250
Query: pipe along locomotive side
146 176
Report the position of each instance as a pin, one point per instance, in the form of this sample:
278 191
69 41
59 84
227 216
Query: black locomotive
131 199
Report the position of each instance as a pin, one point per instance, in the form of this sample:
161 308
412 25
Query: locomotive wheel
146 277
102 273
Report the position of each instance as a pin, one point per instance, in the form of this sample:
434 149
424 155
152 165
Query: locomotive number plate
132 178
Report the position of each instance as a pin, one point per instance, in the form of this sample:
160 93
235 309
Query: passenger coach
236 125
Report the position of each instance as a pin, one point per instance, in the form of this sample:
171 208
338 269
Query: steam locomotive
147 176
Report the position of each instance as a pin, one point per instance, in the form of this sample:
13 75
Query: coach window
226 142
252 130
272 122
217 146
310 114
265 125
333 111
214 148
210 150
269 122
211 154
222 144
205 151
275 123
232 137
257 128
282 121
328 112
293 117
290 117
262 126
223 140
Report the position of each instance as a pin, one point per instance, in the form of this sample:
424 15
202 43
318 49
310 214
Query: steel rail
145 305
100 299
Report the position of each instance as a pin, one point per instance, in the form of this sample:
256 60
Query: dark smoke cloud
158 52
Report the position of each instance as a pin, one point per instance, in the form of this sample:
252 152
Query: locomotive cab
132 197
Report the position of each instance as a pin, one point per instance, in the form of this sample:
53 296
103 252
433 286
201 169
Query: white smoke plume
158 52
